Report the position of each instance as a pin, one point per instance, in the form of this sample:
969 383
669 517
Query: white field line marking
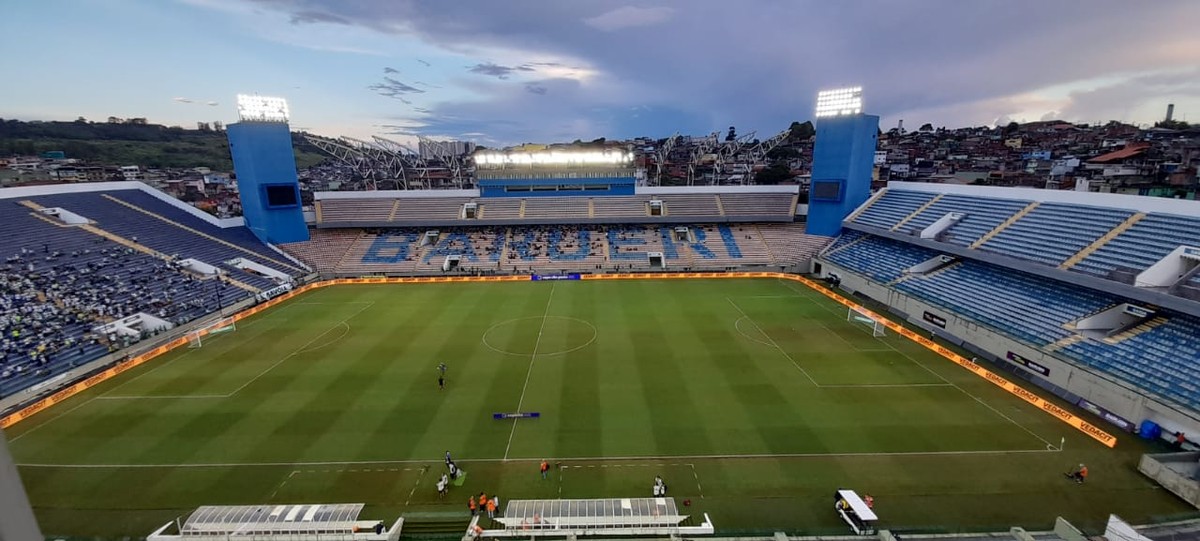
772 341
699 490
528 373
737 325
278 488
301 349
416 484
108 395
842 338
51 420
121 397
898 454
148 372
160 397
939 376
881 385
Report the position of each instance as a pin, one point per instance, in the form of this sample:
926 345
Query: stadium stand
1162 357
894 206
734 204
1053 232
1142 244
557 248
59 282
1108 242
981 216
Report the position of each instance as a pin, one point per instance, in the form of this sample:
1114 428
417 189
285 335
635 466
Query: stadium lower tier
60 281
556 248
1161 355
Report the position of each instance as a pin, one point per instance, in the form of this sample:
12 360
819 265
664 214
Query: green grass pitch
755 399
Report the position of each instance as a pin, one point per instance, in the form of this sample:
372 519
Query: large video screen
281 196
826 190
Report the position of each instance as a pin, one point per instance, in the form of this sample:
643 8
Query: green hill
149 145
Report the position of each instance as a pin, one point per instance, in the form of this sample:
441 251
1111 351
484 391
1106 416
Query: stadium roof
643 512
229 520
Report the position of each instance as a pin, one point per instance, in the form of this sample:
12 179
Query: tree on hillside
800 131
776 173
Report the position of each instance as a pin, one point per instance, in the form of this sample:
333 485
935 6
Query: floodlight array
254 108
839 102
554 157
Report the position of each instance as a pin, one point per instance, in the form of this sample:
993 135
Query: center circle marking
542 322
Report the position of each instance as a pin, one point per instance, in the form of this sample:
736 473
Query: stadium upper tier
559 248
1111 237
662 205
110 254
1160 355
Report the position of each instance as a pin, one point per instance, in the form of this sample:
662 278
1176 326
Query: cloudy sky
502 72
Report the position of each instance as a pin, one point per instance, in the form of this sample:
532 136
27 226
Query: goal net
856 315
221 326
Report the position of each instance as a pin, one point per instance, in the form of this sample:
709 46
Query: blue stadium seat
1053 232
891 207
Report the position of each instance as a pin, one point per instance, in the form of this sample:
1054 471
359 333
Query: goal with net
857 315
220 326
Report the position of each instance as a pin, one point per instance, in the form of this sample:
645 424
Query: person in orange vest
483 499
1080 474
491 508
471 505
545 467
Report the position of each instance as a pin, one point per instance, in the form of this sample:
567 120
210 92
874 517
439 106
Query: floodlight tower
843 159
265 164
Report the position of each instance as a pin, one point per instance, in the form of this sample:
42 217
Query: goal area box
857 315
224 325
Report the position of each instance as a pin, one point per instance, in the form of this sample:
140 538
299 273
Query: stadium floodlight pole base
856 315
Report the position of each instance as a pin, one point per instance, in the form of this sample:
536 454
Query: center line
532 357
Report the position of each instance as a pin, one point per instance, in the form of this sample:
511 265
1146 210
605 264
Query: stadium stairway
395 208
848 238
917 212
720 205
1004 225
286 264
770 253
1064 342
1139 329
1100 242
854 215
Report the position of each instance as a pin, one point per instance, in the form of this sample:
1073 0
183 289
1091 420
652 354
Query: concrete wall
1176 472
1118 397
16 517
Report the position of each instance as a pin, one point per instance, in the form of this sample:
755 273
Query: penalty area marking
737 325
1049 446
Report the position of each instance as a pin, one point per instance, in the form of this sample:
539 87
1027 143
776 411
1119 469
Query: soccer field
753 398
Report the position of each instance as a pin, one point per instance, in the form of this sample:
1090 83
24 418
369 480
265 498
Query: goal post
196 337
857 315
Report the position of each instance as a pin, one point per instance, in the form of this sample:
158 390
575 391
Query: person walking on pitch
545 467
